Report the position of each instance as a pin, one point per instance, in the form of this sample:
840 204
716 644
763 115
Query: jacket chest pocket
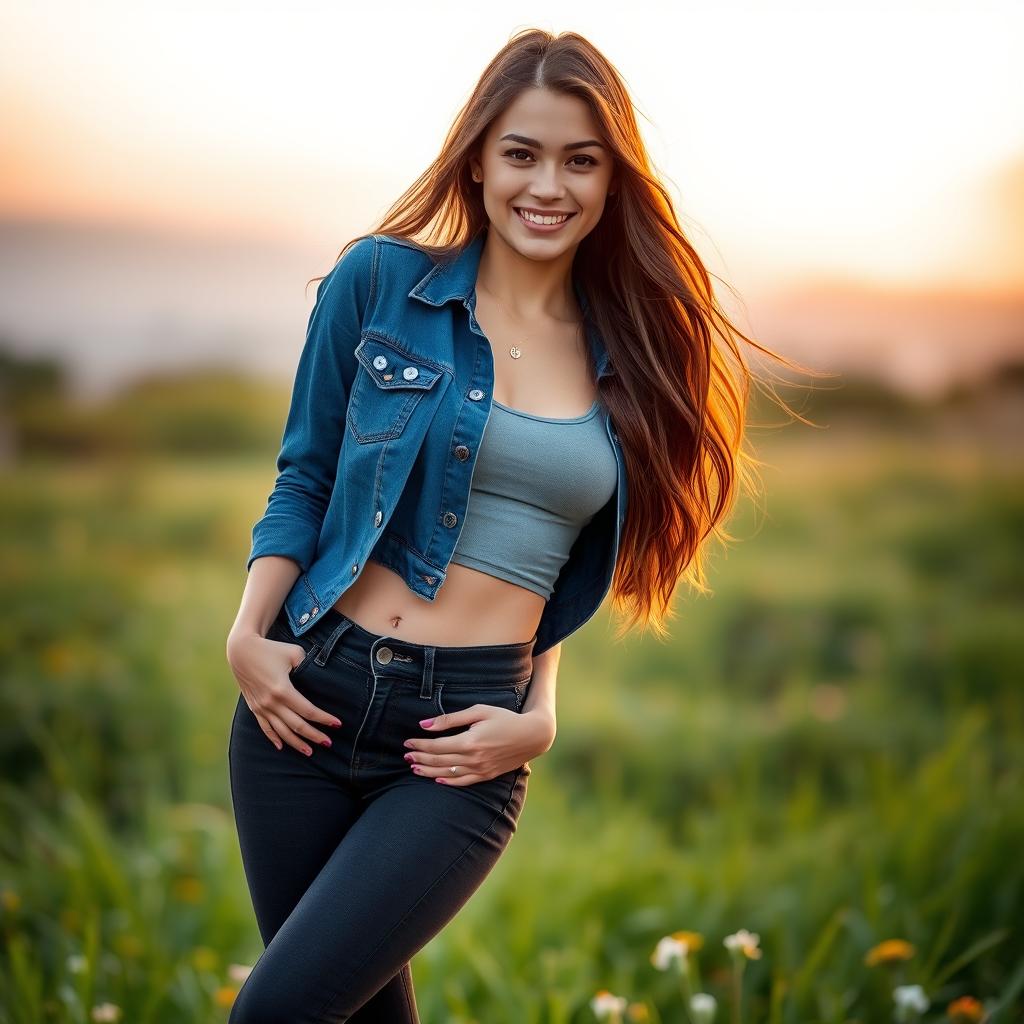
388 386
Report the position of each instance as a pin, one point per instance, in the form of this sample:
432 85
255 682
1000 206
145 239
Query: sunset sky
879 141
865 144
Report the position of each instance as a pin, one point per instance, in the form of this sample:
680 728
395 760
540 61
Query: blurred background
828 750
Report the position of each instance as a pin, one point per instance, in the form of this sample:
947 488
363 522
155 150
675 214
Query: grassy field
828 753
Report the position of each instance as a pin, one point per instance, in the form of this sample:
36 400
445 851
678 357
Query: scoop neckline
548 419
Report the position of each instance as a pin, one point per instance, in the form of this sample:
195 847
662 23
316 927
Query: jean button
384 655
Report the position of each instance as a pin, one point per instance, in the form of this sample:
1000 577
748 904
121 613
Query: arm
540 700
285 539
313 433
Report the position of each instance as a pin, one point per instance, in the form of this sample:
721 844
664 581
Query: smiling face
545 173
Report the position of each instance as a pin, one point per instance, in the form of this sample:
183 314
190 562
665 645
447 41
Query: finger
268 731
453 719
465 767
303 706
288 735
466 774
301 727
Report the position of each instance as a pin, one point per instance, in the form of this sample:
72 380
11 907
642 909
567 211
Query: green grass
827 752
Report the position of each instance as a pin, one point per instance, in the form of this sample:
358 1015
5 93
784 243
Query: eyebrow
537 145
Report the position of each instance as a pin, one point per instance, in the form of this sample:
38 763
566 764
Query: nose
545 185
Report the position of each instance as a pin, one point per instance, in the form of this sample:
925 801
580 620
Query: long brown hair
679 395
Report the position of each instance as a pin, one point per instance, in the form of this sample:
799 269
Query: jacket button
461 452
378 518
303 618
355 569
380 362
430 579
476 394
450 519
314 611
384 655
410 373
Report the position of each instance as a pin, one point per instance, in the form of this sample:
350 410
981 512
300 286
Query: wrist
545 724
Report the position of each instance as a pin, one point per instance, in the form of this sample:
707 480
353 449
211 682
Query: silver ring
454 769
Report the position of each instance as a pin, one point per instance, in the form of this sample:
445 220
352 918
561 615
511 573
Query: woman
451 505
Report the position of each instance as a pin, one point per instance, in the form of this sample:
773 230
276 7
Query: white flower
702 1007
604 1004
744 942
910 997
668 951
77 963
239 972
106 1012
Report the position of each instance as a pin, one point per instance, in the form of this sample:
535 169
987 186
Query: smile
539 222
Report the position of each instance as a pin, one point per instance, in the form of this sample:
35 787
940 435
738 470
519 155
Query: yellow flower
225 995
888 952
638 1012
693 940
11 900
966 1010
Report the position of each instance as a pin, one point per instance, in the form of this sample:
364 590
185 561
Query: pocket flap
390 367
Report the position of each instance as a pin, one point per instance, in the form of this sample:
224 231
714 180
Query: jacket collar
456 279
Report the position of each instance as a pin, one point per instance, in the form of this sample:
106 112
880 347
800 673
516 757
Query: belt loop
427 689
325 653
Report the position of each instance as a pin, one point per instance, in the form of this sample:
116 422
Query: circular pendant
514 352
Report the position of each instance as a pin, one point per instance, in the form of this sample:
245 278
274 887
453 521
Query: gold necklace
515 351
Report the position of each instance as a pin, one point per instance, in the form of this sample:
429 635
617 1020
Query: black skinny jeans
353 861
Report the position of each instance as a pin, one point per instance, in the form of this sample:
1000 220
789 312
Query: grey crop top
537 482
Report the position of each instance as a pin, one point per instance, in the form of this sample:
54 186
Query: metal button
410 373
384 655
303 618
476 394
461 452
378 518
380 362
450 519
314 611
430 579
355 569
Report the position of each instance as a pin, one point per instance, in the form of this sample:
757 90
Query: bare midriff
470 608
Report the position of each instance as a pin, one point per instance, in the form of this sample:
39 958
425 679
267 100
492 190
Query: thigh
290 817
403 870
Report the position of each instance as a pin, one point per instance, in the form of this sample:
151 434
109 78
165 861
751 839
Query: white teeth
536 219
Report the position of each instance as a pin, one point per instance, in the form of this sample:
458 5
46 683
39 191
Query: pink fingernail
442 781
408 757
427 723
325 743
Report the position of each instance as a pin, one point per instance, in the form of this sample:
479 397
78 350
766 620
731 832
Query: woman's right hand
261 667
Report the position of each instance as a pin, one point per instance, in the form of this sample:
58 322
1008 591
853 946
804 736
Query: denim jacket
391 397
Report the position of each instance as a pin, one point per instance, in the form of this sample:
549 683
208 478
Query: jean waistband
484 665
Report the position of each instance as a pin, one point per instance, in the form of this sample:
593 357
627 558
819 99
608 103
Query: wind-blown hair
681 386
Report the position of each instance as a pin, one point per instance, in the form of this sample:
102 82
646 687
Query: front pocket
388 386
282 633
294 673
452 697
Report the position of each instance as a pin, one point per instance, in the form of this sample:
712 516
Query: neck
528 289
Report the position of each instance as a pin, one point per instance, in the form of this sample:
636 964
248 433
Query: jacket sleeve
315 428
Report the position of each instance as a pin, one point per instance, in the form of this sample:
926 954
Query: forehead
552 118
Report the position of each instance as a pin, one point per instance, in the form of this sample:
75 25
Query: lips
540 227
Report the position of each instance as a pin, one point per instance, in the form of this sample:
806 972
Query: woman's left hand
496 741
